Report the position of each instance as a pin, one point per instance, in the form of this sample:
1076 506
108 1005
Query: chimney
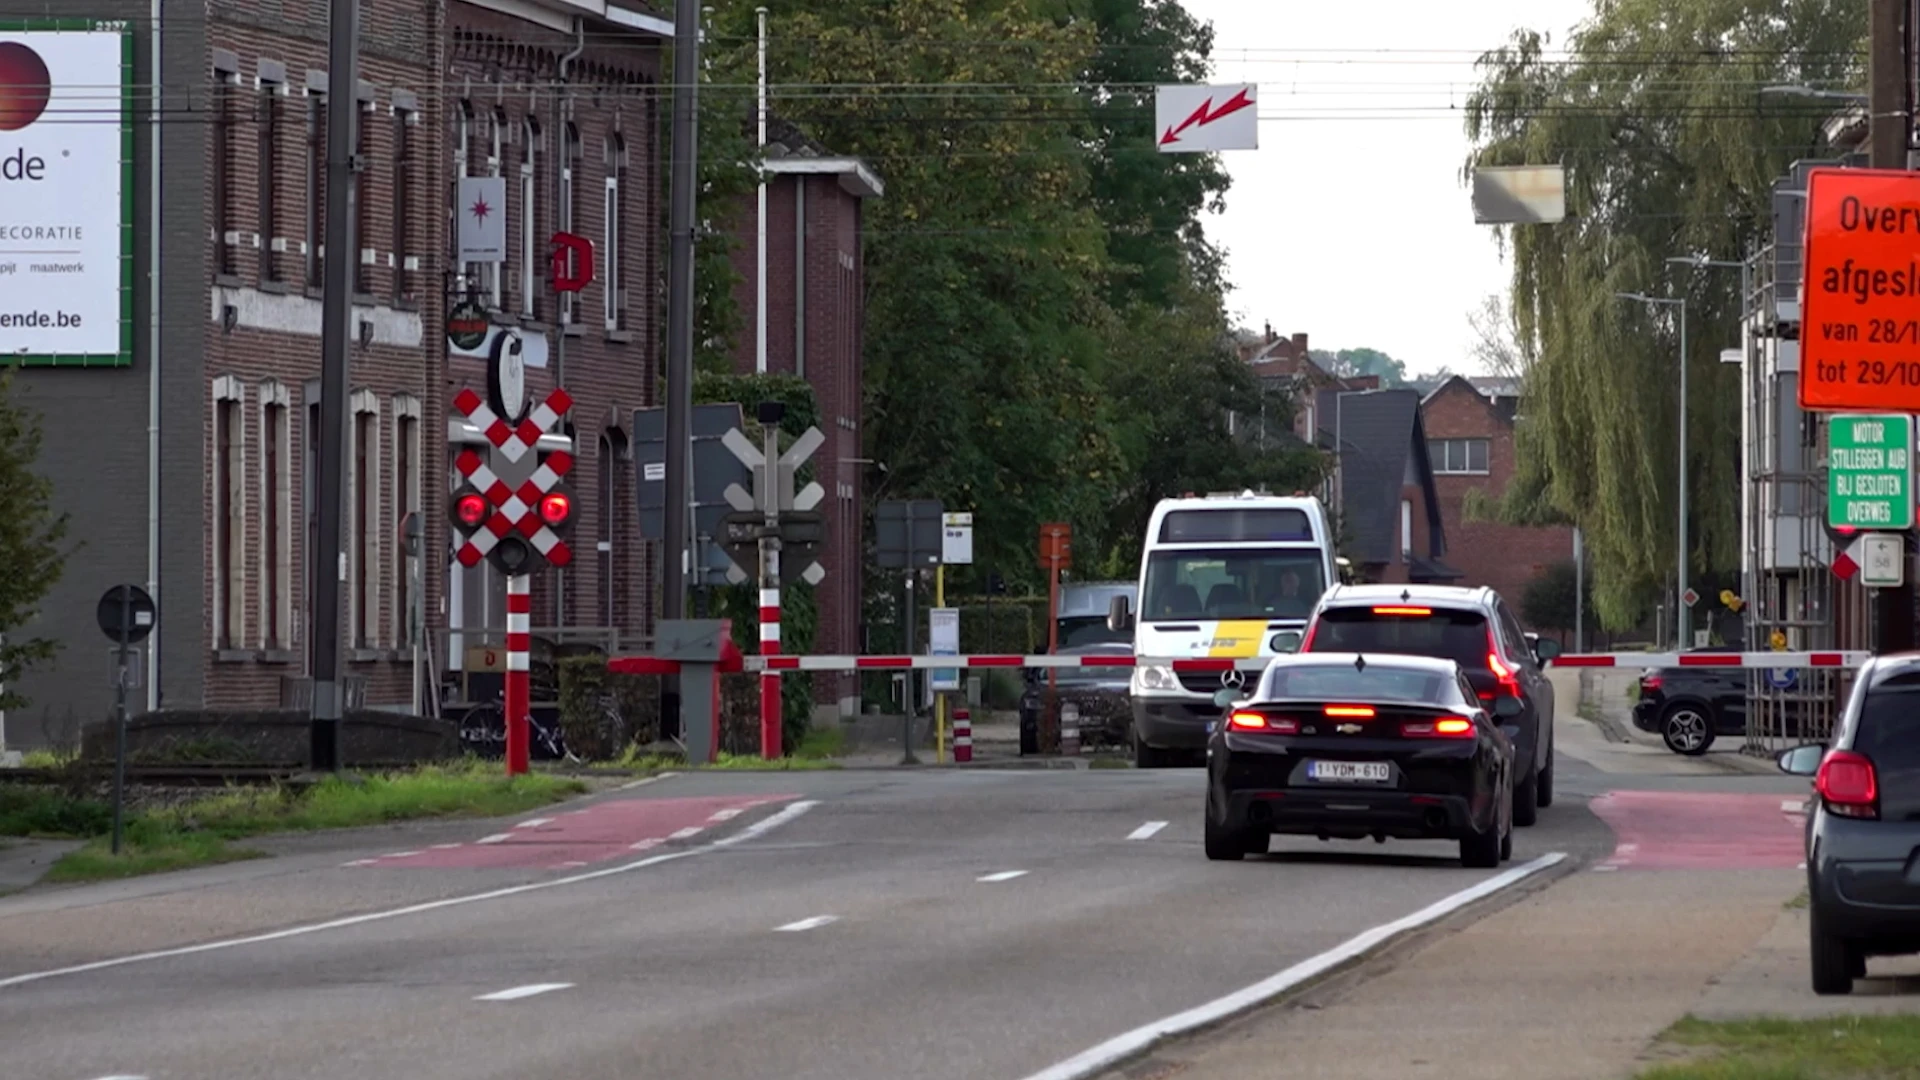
1270 338
1300 346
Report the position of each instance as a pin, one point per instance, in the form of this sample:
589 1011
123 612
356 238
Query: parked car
1339 745
1472 627
1099 693
1082 614
1863 826
1688 707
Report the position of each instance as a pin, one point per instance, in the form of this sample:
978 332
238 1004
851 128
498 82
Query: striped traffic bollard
962 736
1070 730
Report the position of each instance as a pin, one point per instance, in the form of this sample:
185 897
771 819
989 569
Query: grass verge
1843 1048
202 832
651 763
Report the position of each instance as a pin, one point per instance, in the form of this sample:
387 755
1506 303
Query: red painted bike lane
617 829
1666 830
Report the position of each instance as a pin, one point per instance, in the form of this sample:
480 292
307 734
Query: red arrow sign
1207 114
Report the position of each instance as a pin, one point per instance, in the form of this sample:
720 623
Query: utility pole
679 366
1889 132
326 561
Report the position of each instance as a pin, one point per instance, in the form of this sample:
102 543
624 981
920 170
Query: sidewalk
1606 696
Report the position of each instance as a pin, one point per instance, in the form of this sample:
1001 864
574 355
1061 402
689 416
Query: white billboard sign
483 219
1202 119
1519 195
66 162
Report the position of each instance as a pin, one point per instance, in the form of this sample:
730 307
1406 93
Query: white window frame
462 154
615 298
406 408
491 276
569 154
530 218
229 566
1443 466
276 627
363 564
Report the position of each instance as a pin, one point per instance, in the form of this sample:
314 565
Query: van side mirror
1801 760
1546 649
1119 615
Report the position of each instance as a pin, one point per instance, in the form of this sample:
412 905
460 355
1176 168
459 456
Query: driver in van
1287 598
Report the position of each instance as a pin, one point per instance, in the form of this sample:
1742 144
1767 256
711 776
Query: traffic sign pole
519 670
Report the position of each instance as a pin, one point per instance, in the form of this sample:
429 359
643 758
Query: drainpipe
563 112
153 354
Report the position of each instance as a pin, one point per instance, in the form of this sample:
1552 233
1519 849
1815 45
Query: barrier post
962 735
519 670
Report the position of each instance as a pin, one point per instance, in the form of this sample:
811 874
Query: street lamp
1682 619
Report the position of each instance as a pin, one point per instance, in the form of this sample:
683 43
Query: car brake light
1509 681
1849 785
1415 611
1253 721
1450 727
1352 711
1650 681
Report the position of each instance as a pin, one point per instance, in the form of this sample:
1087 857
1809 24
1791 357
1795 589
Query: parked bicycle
483 730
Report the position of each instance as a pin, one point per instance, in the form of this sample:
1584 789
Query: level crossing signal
513 544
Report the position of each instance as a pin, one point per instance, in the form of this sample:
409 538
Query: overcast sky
1350 223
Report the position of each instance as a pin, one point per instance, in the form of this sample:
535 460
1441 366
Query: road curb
1310 973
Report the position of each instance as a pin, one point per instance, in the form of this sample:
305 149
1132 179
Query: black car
1475 629
1688 707
1863 828
1347 746
1098 693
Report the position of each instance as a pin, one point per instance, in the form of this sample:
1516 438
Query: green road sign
1870 471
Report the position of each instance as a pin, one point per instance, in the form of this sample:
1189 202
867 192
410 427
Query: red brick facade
1504 557
423 69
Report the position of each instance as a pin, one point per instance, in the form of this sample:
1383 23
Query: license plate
1366 772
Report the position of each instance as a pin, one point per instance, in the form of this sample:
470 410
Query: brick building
1469 429
815 319
1286 364
189 466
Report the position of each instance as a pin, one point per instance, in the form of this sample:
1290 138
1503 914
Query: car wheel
1543 787
1686 729
1481 850
1833 961
1222 843
1526 801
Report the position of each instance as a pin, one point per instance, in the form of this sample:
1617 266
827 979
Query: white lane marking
518 992
535 823
446 847
496 838
752 832
571 865
813 923
642 780
1604 868
1105 1056
360 862
126 1077
688 833
1146 831
1802 866
726 815
401 855
649 842
1004 875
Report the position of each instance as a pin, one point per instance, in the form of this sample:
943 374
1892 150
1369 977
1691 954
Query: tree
1548 602
1669 150
1349 363
32 540
1494 346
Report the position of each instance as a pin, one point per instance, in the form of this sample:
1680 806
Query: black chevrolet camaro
1345 746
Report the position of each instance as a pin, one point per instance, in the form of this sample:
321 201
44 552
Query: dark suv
1472 627
1863 829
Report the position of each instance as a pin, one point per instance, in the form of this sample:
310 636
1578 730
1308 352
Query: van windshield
1230 583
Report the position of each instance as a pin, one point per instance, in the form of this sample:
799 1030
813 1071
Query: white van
1220 576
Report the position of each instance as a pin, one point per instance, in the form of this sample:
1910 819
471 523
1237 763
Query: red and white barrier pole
962 736
771 729
519 668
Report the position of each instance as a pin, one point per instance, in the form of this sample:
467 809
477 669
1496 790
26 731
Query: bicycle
486 726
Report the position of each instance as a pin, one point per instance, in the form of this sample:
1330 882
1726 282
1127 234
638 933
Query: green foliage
586 689
32 538
1670 151
1548 602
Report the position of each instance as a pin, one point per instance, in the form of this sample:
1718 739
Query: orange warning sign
1860 306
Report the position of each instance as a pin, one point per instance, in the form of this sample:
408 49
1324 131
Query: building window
405 265
491 275
604 547
569 217
1406 530
276 518
362 205
229 514
462 162
363 573
226 238
406 501
316 186
530 247
271 242
1458 455
612 277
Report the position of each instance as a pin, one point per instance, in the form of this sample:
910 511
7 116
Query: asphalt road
864 925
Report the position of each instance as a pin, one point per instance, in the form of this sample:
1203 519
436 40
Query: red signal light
471 509
555 509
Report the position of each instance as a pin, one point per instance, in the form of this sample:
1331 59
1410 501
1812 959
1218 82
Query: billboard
66 190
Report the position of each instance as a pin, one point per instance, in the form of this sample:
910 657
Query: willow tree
1670 150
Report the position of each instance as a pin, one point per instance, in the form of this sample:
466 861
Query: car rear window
1888 733
1460 636
1375 682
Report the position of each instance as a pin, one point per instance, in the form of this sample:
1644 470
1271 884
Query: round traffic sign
127 614
1782 678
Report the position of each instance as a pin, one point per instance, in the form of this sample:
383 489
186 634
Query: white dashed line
1802 866
535 823
641 781
519 992
1794 806
360 862
129 1076
651 841
1004 875
571 865
1146 831
688 833
807 924
496 838
725 815
447 847
1605 868
401 855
